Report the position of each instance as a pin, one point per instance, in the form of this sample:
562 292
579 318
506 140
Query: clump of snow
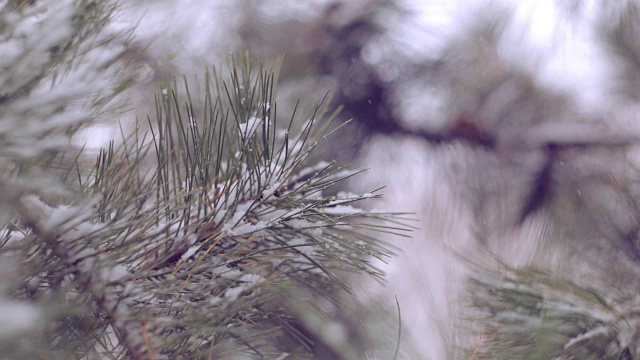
60 216
225 272
248 129
219 215
248 281
239 214
16 317
247 228
86 265
215 300
129 289
190 251
251 279
269 190
114 273
28 50
335 333
234 293
312 227
341 210
596 332
14 237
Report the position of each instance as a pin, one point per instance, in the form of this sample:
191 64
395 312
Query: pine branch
206 237
190 255
527 314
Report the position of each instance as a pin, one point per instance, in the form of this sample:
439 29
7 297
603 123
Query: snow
300 223
34 282
86 265
269 190
239 214
60 216
346 195
249 128
342 210
115 273
335 333
213 301
249 228
129 289
31 40
190 251
311 227
251 279
95 137
233 294
17 317
219 215
231 274
248 282
596 332
14 237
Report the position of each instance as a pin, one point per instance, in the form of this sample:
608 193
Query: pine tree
209 235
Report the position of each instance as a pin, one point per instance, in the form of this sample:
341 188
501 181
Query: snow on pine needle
531 314
190 235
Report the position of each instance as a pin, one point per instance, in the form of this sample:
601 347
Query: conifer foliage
206 236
